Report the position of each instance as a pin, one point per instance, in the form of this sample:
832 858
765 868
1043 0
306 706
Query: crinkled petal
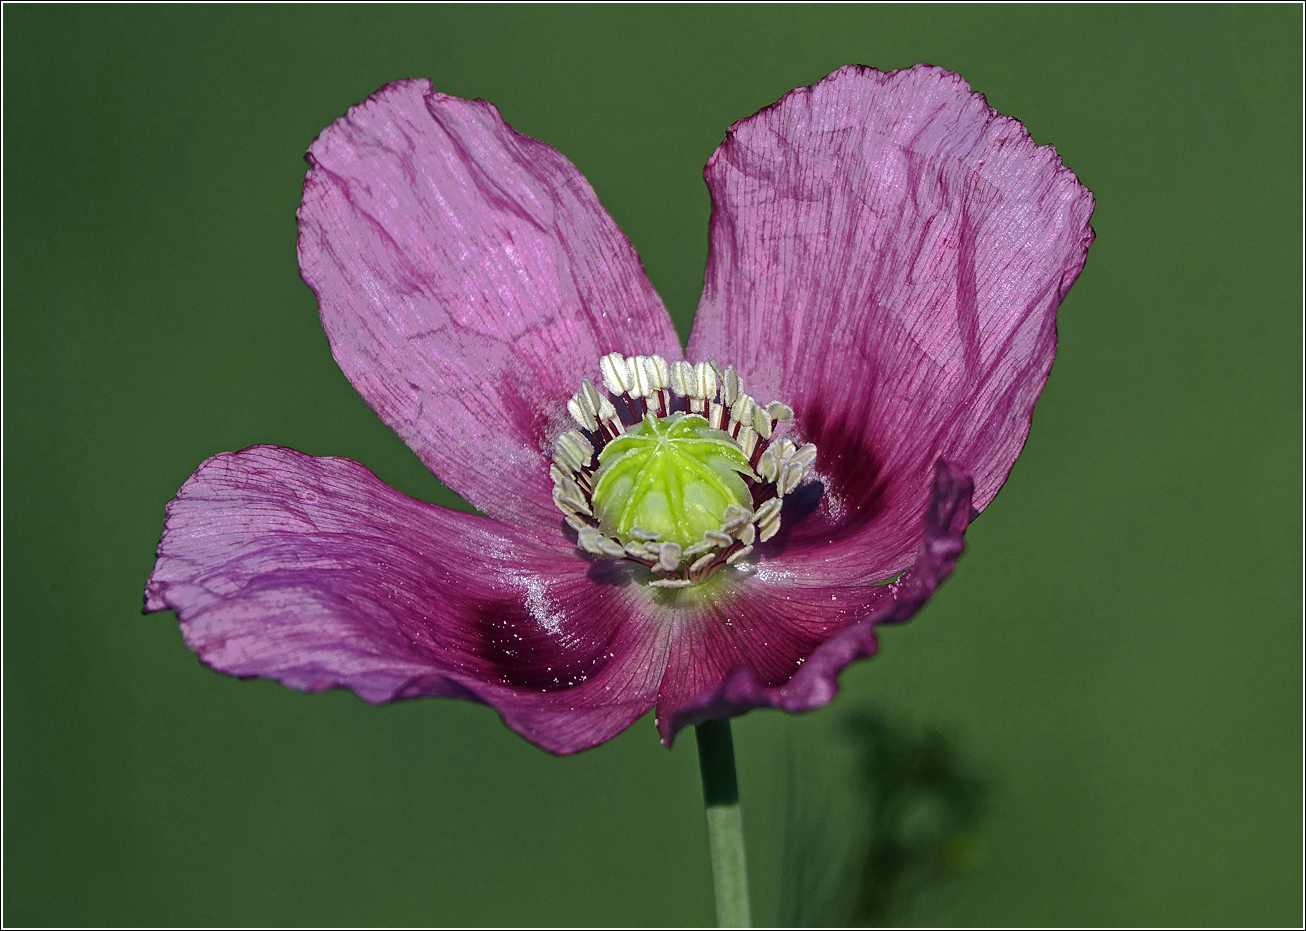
468 278
887 256
315 573
782 638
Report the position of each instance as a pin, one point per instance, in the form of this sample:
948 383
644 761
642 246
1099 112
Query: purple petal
315 573
784 636
887 256
468 279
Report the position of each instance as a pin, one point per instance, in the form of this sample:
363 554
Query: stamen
574 450
767 510
747 440
669 557
568 486
741 409
717 415
608 417
704 381
793 474
582 413
702 562
642 385
782 413
682 379
592 395
615 373
591 541
661 375
738 555
730 386
719 538
570 503
735 518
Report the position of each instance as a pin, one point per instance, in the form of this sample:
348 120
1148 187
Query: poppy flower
703 531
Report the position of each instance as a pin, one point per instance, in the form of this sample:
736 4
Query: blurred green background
1118 657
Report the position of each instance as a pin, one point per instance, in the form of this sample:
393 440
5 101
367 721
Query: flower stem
725 826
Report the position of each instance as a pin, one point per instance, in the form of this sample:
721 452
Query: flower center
674 467
673 476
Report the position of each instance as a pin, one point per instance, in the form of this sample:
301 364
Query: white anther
660 372
668 556
704 380
682 379
558 471
738 555
579 442
805 454
781 413
741 409
766 466
734 518
769 508
718 538
716 416
581 412
733 527
591 393
564 459
611 548
784 456
567 486
735 510
635 550
654 374
697 548
671 583
573 449
606 411
767 530
587 538
703 562
641 384
747 440
793 475
762 422
639 533
748 535
616 374
570 503
730 385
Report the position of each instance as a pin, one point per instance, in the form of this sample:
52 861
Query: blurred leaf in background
917 808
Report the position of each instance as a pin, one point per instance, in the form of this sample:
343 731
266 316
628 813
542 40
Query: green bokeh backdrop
1119 652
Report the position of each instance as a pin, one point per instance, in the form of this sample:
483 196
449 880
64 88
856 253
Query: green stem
725 825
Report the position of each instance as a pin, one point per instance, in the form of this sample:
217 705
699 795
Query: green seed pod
672 476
